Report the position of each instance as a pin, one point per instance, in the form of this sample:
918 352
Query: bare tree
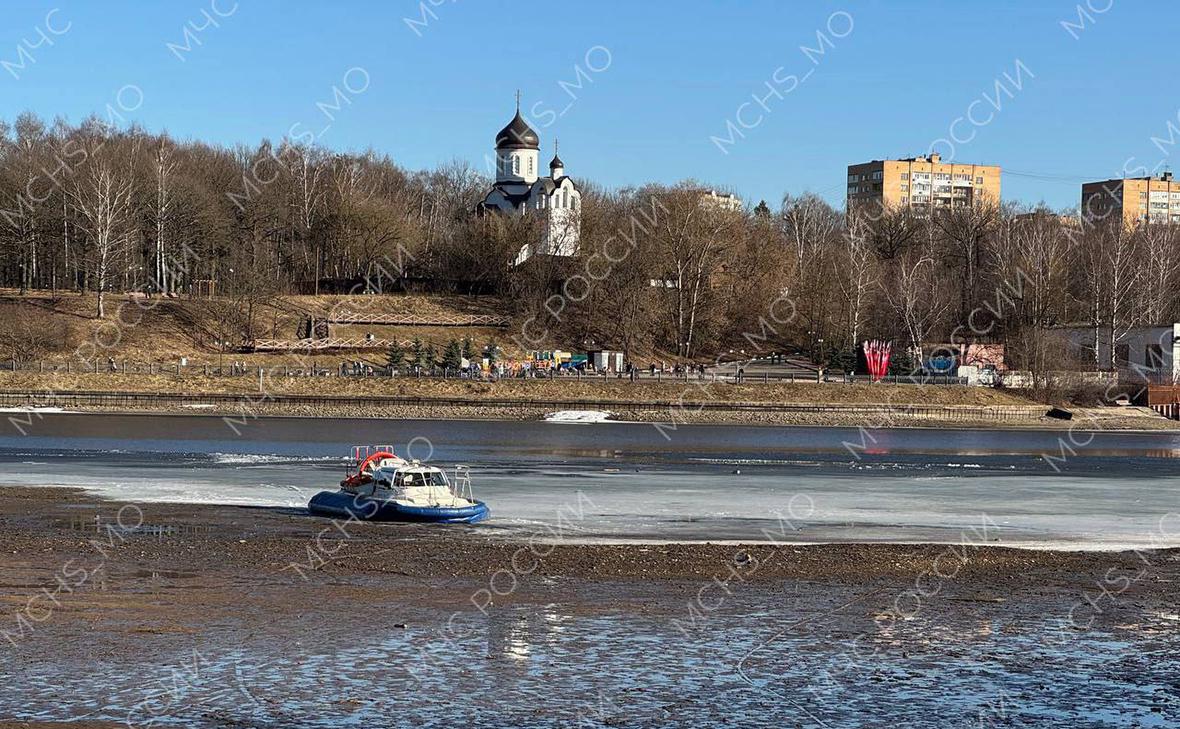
916 298
101 194
1119 247
692 238
892 229
808 224
965 231
164 167
305 169
857 273
1161 259
810 229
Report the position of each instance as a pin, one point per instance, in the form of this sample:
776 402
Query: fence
353 369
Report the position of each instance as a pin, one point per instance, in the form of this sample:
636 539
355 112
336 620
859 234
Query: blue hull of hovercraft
342 504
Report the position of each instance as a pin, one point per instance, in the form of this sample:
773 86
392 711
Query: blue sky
658 79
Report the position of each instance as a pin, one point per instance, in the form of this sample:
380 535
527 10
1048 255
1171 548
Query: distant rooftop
934 158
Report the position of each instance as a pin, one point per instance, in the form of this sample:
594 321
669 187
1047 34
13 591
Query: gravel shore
272 617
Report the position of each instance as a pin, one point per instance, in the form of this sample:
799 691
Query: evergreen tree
490 352
419 352
901 362
431 358
452 358
395 356
842 360
468 348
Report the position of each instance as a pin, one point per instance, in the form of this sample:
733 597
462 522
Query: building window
516 165
905 175
530 165
978 180
853 178
877 175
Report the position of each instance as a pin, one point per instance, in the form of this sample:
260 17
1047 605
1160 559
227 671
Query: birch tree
692 237
857 273
101 195
164 169
916 299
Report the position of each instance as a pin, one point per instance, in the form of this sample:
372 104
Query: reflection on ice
821 658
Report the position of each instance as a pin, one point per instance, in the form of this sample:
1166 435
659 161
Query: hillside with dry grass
63 327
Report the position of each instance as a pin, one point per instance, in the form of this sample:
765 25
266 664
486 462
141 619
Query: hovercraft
381 486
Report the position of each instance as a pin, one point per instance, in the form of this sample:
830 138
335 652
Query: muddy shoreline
276 605
41 526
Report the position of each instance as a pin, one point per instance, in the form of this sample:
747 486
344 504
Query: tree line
662 271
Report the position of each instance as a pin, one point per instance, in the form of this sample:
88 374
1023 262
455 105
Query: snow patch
578 416
231 459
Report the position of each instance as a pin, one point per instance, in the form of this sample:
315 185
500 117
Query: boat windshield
422 479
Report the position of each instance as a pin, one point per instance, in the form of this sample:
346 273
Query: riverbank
679 402
211 616
215 616
42 526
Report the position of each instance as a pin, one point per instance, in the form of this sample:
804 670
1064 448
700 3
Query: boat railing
362 452
462 485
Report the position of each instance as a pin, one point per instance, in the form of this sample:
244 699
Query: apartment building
1134 200
922 183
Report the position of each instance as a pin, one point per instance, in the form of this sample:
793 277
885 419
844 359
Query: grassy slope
174 328
164 330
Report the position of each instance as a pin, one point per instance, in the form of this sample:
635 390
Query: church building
519 189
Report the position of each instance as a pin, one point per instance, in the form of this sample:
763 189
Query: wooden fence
422 320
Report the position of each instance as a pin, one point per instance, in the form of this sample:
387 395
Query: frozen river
628 481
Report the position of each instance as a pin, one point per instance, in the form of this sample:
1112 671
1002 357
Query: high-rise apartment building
1134 200
922 183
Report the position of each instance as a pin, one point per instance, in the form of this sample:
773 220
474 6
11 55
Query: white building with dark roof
520 189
